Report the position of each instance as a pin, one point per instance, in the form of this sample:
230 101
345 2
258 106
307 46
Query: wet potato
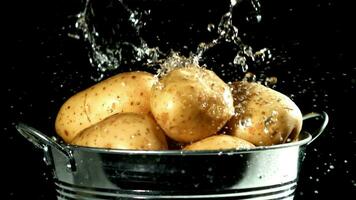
124 131
220 142
125 92
263 116
191 103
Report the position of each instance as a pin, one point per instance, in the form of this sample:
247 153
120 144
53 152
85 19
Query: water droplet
250 77
258 18
233 3
247 122
69 166
270 81
211 27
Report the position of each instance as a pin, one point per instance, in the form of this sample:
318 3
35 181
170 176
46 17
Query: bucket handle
324 116
42 141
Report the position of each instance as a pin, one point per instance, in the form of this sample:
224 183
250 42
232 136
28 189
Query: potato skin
220 142
124 131
263 116
191 103
124 92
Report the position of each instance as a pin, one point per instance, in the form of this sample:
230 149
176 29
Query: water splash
269 121
175 60
114 39
228 33
109 46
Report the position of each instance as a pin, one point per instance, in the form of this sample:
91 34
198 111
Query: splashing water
228 33
115 40
107 51
174 60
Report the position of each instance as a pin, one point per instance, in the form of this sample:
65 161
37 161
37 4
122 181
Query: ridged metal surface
67 191
264 173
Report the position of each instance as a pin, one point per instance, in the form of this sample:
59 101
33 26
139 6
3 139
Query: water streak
109 47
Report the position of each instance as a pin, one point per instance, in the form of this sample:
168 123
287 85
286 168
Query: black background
312 40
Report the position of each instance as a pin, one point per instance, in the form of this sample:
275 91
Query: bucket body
262 173
257 174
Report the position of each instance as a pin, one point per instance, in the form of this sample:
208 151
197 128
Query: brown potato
125 92
124 131
220 142
191 103
263 116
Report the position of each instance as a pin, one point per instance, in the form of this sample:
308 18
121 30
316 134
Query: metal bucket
98 174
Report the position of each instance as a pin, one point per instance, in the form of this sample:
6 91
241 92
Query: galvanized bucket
98 174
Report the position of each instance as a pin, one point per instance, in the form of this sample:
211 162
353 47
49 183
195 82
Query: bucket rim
305 138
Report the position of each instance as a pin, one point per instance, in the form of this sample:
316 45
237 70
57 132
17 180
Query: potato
191 103
125 92
123 131
219 142
263 116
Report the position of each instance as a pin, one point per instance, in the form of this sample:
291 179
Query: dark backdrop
312 40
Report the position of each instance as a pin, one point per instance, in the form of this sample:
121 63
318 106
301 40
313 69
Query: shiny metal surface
91 173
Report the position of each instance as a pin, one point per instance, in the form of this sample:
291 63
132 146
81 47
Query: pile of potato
190 105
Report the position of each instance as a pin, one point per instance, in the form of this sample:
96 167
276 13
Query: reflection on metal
260 173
